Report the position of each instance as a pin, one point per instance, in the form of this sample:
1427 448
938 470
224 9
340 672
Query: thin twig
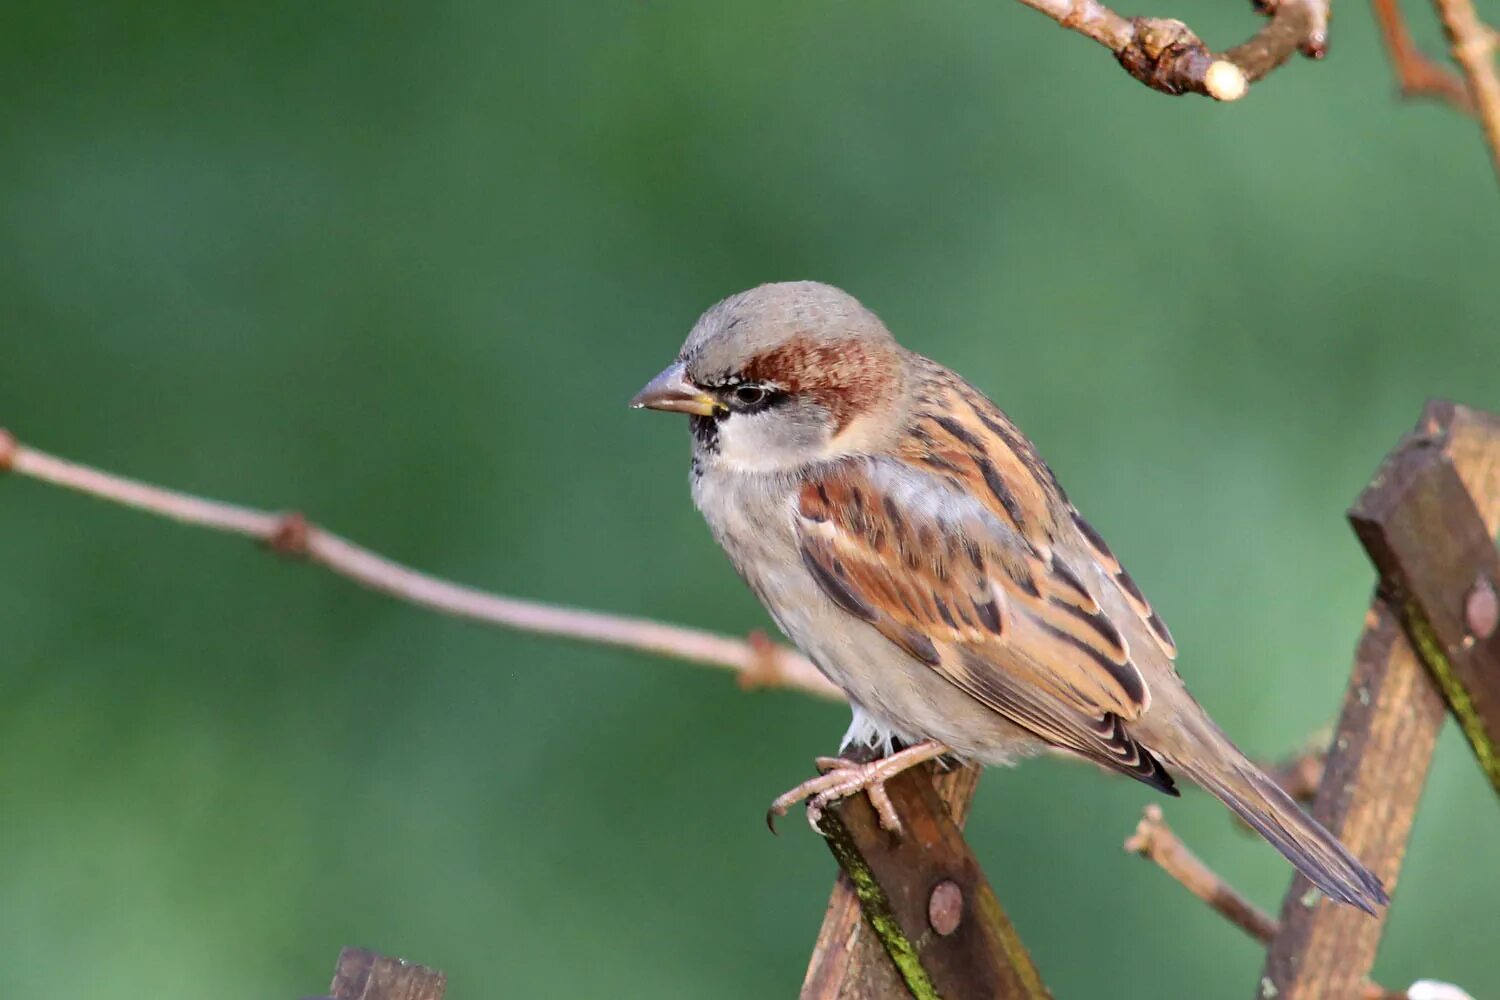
1417 75
1155 841
1166 55
758 661
1473 44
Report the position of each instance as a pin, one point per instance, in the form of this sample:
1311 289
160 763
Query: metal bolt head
945 907
1482 610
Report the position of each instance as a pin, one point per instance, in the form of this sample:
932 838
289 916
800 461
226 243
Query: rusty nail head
1482 609
945 908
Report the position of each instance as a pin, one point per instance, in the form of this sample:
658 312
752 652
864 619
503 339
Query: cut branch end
1225 81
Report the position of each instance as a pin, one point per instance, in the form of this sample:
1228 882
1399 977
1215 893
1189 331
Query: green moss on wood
877 910
1430 648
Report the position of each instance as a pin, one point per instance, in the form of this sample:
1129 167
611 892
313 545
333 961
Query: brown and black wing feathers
1016 630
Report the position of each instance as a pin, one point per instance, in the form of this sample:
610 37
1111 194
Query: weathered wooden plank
1381 752
1424 533
364 975
848 961
924 900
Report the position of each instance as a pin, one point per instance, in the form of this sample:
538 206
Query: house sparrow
910 540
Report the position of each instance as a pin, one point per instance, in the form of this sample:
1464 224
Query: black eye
750 394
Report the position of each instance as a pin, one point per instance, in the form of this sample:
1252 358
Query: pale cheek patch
769 442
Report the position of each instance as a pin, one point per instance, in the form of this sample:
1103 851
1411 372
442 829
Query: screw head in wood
1482 609
945 907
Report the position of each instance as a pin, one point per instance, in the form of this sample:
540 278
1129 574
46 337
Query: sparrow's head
783 376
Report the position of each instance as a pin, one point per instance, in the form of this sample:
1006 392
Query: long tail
1315 852
1189 741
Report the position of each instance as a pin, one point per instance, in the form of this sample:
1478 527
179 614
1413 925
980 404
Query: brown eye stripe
841 376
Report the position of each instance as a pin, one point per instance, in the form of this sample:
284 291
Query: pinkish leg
842 778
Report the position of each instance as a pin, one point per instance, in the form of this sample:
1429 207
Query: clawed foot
840 778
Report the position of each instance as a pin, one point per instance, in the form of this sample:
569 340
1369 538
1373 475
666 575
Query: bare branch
1416 74
1154 840
1473 44
1166 55
759 662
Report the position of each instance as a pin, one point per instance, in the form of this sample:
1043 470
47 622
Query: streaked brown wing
963 438
1012 627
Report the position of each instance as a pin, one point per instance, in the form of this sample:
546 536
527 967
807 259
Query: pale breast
753 519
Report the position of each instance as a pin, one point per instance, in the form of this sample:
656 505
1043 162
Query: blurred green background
401 266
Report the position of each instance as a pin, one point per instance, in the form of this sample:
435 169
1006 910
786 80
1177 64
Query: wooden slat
976 955
364 975
1380 755
848 961
1424 534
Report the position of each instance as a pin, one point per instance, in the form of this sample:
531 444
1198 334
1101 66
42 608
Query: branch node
1165 55
1143 840
291 536
8 449
764 668
1315 45
1154 840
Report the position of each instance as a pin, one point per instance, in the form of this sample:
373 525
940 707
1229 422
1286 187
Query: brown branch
758 661
1155 841
1417 75
1473 44
1166 55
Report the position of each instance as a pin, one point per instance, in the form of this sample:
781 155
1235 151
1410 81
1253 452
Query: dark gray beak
672 391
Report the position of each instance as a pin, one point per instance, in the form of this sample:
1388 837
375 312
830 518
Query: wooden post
1439 561
931 925
1392 713
364 975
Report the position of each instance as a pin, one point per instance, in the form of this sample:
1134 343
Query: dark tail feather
1314 851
